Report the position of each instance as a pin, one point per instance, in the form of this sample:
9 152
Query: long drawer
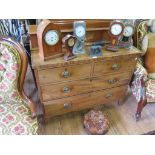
66 89
64 73
84 101
115 65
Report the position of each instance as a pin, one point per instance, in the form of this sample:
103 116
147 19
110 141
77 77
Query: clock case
48 51
69 48
114 39
79 45
126 42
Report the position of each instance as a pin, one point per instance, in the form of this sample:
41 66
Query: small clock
69 42
126 40
128 30
116 30
49 40
79 31
51 37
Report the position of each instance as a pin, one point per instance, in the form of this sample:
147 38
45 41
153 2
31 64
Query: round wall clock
115 31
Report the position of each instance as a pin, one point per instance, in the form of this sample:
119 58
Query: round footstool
96 123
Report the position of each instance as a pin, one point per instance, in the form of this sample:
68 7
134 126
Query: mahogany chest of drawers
83 82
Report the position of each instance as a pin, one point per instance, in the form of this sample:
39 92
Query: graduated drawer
114 65
64 73
66 89
84 101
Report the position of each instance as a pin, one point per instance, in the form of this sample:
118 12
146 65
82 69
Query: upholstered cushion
136 83
9 73
15 119
150 90
96 122
149 84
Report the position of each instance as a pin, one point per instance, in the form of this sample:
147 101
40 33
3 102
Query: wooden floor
122 120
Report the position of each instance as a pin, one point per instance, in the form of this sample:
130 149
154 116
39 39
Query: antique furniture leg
41 120
28 52
143 101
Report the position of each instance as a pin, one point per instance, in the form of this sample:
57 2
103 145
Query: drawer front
109 81
64 73
114 66
66 89
79 102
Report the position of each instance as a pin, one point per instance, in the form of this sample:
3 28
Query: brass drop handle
112 81
67 105
108 95
115 66
66 89
66 74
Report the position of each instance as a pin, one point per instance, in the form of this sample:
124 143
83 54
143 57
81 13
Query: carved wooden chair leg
141 105
41 124
41 120
143 101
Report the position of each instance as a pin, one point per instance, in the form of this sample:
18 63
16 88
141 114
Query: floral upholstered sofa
17 112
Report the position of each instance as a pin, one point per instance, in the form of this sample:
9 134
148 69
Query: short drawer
109 81
64 73
114 66
79 102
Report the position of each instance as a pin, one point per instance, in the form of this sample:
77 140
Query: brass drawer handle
112 81
66 74
66 89
67 105
108 95
115 66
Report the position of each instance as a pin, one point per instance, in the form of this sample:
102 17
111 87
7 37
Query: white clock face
71 42
128 31
80 31
51 37
116 29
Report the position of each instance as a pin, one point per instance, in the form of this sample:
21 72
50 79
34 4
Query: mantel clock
69 42
79 31
49 40
126 40
115 32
